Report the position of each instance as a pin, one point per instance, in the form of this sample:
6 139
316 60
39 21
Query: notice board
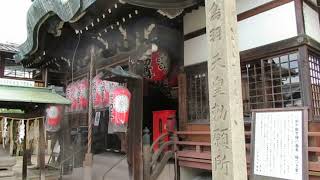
279 144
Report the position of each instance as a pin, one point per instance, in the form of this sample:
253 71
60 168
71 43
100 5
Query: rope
90 101
115 165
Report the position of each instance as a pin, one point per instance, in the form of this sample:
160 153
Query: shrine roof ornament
40 11
72 10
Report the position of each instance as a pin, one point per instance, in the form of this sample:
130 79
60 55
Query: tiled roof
10 48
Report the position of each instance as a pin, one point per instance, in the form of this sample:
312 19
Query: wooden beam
25 154
2 66
42 147
135 158
299 16
225 99
182 93
45 77
305 80
263 8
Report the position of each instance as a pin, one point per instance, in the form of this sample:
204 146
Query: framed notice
279 144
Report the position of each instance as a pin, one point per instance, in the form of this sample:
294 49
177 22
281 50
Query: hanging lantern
83 94
108 87
97 92
119 109
53 118
157 67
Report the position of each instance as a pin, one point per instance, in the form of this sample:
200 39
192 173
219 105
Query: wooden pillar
45 77
11 137
42 146
25 154
183 115
135 159
88 159
224 78
2 66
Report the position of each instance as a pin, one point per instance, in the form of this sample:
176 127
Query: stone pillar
225 97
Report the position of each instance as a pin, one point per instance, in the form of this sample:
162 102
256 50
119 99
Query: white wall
195 50
245 5
311 20
194 21
268 27
197 18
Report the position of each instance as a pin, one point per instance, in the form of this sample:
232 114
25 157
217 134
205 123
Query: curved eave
39 12
163 4
68 10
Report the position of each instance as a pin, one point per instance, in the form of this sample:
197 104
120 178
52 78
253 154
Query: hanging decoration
157 67
119 109
53 118
5 138
101 90
21 133
77 93
83 94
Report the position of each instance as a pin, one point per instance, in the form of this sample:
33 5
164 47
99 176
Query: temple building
138 71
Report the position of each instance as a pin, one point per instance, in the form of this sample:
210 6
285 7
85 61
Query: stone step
6 173
9 178
7 162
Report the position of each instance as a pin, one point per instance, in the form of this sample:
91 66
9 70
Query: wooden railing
198 154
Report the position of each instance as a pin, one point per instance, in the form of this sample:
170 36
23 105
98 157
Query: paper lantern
119 108
83 94
157 67
53 118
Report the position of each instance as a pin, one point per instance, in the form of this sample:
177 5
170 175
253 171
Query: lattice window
197 91
272 82
314 62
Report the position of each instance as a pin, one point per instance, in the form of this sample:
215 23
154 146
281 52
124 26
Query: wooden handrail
192 132
192 143
314 149
314 134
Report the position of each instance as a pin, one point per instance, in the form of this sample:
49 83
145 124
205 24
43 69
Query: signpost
279 144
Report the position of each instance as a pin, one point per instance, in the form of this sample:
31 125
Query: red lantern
54 116
119 108
157 67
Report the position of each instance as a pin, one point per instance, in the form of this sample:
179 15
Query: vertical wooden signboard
225 99
279 144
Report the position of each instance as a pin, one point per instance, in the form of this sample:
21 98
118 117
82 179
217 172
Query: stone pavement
33 172
101 164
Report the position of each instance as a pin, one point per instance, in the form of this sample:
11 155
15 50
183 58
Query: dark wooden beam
305 80
272 49
42 147
312 5
2 66
183 115
299 16
195 34
135 158
263 8
279 47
